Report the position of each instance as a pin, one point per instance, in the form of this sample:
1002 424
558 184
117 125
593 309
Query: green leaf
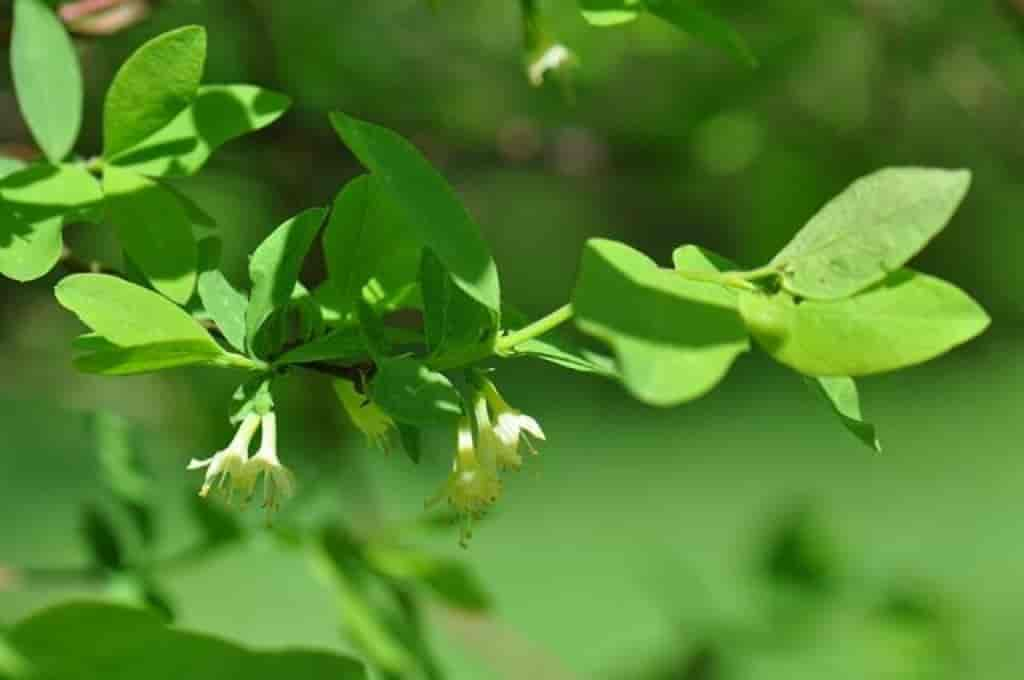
555 350
367 238
674 339
873 228
111 359
428 204
842 396
62 644
450 580
906 320
454 322
129 315
9 166
690 16
686 15
220 527
47 78
610 12
101 538
344 343
274 268
413 394
336 559
152 87
13 665
35 203
155 229
219 114
225 305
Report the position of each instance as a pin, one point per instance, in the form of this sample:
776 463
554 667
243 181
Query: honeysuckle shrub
410 322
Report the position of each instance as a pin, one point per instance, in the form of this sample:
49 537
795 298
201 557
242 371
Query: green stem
738 280
232 360
534 330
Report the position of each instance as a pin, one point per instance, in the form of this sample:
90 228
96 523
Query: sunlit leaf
152 87
47 78
907 319
871 229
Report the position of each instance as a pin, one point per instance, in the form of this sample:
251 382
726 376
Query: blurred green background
635 547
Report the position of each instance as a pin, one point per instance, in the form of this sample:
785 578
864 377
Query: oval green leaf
155 230
428 204
35 203
128 315
906 320
367 238
674 339
225 305
47 78
110 359
873 228
152 87
219 114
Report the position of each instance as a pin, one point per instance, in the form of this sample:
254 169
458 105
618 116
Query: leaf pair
158 122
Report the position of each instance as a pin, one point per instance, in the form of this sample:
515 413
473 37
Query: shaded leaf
274 268
47 78
843 398
112 359
674 339
428 204
155 229
152 87
413 394
101 538
225 305
367 238
450 580
453 321
62 644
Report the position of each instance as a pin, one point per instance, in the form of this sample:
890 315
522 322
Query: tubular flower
473 485
228 465
511 427
367 416
278 481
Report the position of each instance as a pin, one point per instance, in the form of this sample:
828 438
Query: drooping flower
510 427
278 481
228 465
367 416
473 485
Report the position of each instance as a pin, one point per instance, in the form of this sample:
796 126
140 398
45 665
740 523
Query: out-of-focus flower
555 57
367 416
